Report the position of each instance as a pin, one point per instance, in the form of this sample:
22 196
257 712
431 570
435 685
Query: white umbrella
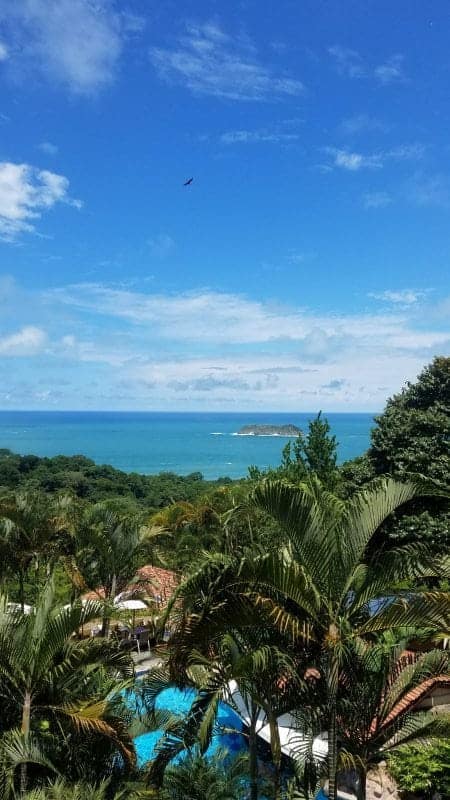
130 605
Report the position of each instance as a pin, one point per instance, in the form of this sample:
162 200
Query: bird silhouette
188 182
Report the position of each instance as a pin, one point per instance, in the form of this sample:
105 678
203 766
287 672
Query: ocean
151 442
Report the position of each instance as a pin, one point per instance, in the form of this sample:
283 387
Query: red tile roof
155 582
150 581
414 696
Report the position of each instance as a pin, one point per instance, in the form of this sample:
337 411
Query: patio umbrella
130 605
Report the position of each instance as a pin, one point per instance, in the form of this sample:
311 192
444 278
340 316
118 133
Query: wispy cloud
354 161
362 123
25 342
220 318
48 148
25 192
262 136
391 71
208 61
4 52
424 189
224 350
76 43
403 297
350 64
377 199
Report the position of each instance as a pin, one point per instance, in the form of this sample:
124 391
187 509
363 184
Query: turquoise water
151 442
180 702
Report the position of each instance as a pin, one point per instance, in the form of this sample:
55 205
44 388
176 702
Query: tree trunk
253 756
25 729
332 686
362 777
21 590
106 613
276 753
332 753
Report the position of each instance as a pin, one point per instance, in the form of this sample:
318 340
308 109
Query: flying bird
188 182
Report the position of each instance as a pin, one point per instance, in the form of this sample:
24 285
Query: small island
269 430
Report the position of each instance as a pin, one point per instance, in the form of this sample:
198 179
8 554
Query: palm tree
319 589
249 672
110 547
59 790
375 706
55 688
321 585
32 529
196 778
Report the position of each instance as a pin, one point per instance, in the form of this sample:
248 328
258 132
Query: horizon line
163 411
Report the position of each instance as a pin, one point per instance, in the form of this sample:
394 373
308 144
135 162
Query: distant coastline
152 442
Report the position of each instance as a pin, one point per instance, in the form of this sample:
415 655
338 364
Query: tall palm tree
110 547
249 672
51 684
32 529
375 706
322 585
320 588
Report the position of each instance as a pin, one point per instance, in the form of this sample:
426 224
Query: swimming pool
179 702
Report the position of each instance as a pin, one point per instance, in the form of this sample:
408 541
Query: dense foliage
423 769
313 453
95 483
303 585
412 437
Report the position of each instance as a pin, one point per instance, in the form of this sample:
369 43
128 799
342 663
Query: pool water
179 702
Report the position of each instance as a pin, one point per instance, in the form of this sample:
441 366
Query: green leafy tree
315 453
375 717
34 530
55 690
422 769
244 667
110 548
412 437
319 587
322 585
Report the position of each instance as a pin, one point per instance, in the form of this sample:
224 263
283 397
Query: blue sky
306 267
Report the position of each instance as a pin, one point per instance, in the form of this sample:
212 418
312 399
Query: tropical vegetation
311 592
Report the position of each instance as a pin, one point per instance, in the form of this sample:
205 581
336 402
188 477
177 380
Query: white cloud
48 148
136 349
4 52
404 297
72 42
263 136
354 161
25 192
377 199
26 342
391 71
210 62
215 318
348 62
362 123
